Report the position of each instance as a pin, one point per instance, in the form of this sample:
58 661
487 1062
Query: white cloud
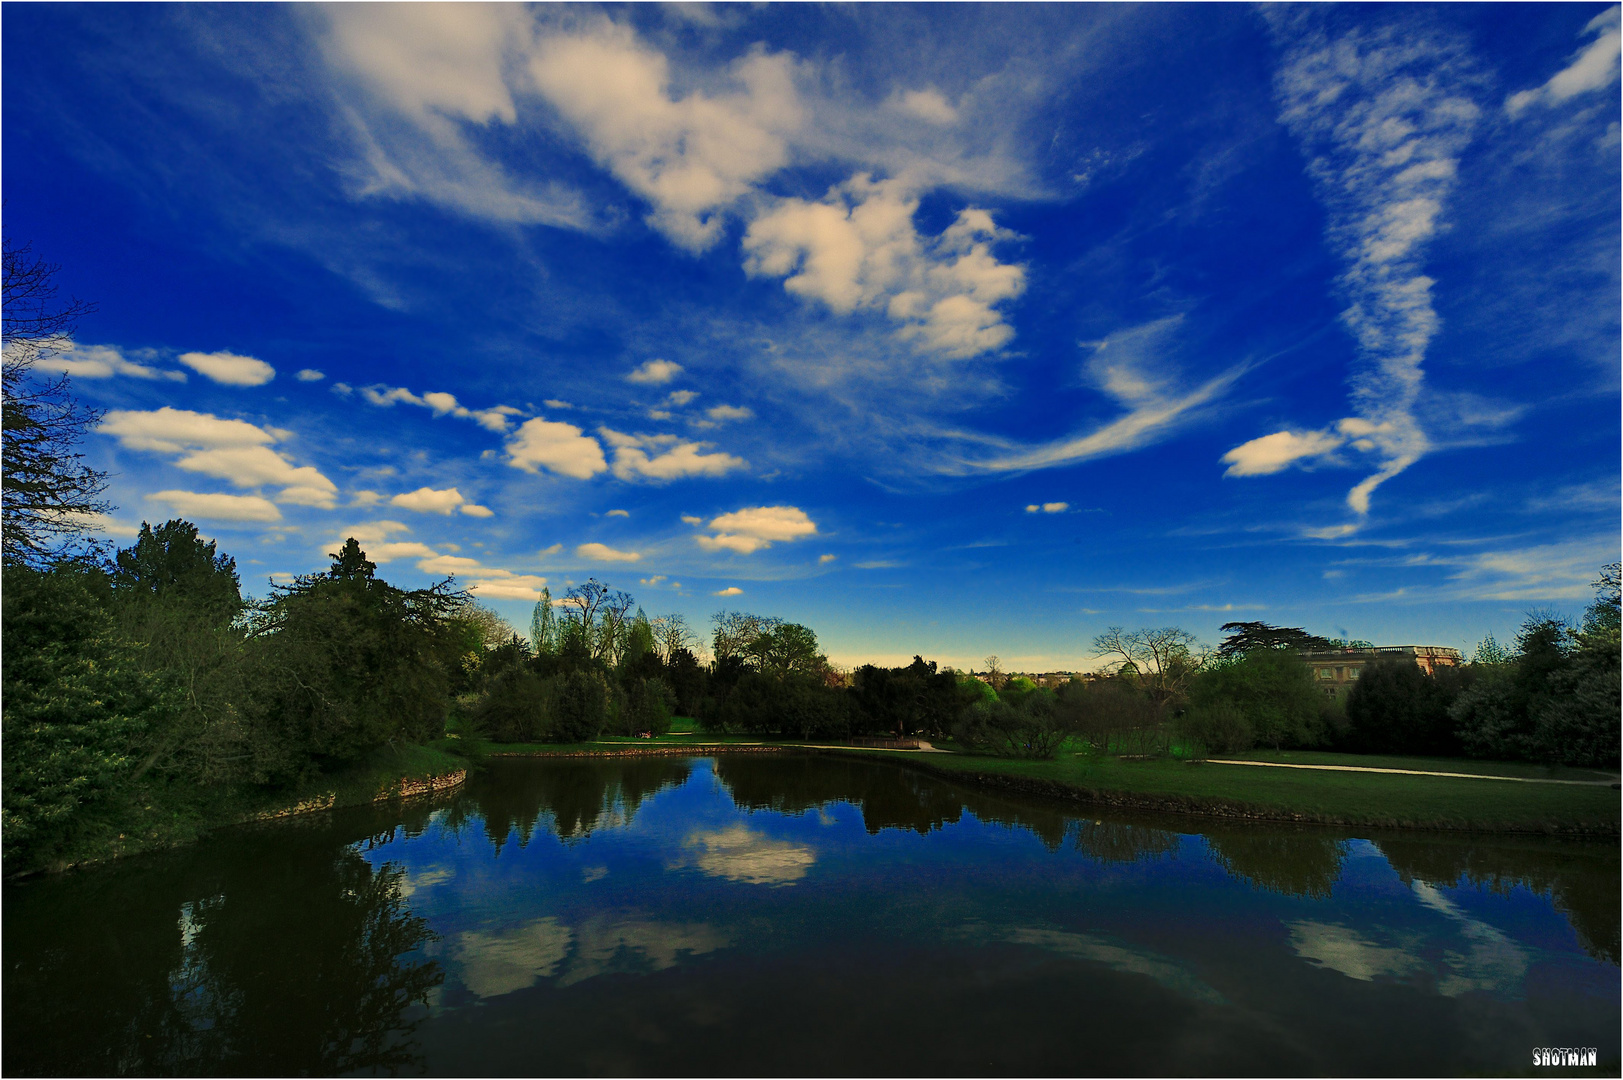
654 372
603 553
509 587
729 412
1594 67
426 500
928 105
442 404
662 457
207 506
555 446
690 519
552 550
386 396
1271 453
651 582
1383 124
309 375
554 403
731 590
232 450
752 529
374 530
826 558
475 510
390 550
104 524
101 362
690 157
858 248
681 397
229 369
365 498
618 513
1048 508
449 564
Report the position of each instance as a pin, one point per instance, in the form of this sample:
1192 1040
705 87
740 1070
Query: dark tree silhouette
49 493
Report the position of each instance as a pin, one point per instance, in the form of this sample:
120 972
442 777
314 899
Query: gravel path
1415 772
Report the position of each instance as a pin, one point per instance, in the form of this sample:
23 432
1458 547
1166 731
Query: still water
808 915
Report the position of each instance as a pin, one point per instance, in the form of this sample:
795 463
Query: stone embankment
405 788
693 750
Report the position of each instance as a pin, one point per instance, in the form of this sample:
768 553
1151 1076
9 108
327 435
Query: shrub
647 707
1219 727
515 708
1036 729
580 707
1111 714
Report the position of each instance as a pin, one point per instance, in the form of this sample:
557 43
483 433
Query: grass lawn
1351 798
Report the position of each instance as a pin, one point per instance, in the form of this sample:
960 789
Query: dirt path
1415 772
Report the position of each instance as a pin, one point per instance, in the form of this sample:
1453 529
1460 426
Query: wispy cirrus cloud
101 362
1130 367
1382 118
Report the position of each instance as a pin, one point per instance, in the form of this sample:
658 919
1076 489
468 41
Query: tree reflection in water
1579 878
1279 860
261 954
579 795
892 798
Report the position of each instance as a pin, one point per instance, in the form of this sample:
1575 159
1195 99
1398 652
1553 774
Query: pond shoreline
1183 805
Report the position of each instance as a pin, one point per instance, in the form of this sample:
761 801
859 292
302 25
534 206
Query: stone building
1335 670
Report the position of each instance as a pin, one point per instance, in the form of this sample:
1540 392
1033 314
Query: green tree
351 663
1243 637
78 704
1498 715
180 598
1162 661
544 625
1577 724
1396 708
1271 688
785 648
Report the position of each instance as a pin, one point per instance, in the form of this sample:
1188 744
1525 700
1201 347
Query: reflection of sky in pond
1237 924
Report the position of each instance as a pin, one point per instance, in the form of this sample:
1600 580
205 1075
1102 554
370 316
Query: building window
1352 673
1326 673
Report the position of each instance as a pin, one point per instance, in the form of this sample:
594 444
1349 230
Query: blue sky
953 330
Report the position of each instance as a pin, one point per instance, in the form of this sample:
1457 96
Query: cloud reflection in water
1491 962
1168 973
495 962
739 853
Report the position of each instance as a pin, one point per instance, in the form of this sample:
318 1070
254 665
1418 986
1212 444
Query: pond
807 915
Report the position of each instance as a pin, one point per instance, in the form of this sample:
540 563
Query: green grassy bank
1342 798
157 817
